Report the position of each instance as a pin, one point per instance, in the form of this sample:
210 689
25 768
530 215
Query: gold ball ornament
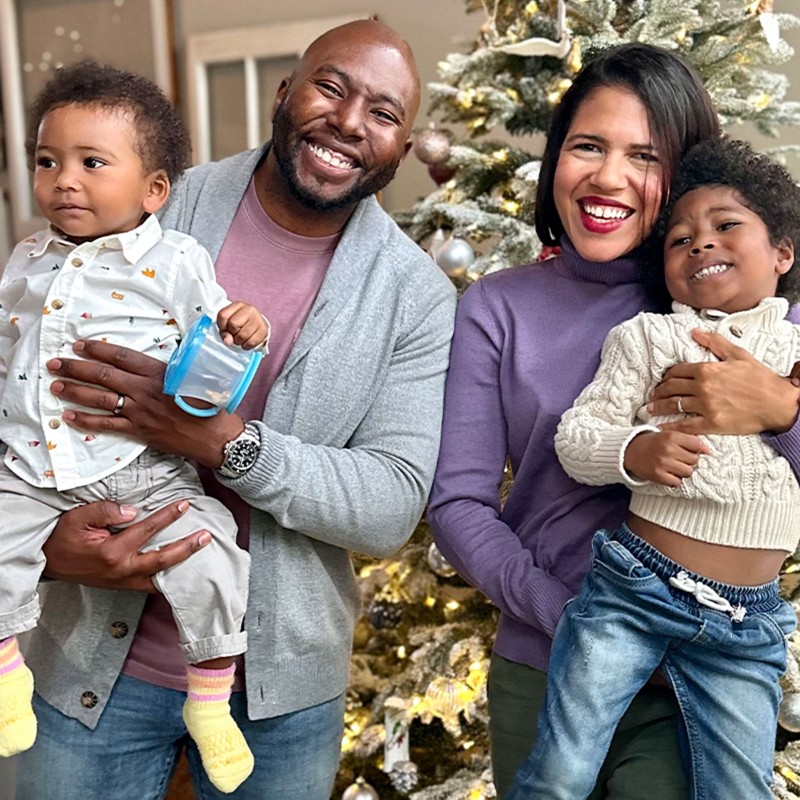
432 146
442 697
360 790
438 563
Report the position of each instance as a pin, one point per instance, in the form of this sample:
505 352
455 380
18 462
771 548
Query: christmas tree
416 714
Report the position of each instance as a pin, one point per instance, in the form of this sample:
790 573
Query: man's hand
82 549
665 457
147 414
737 395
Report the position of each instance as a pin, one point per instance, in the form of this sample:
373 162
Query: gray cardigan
350 436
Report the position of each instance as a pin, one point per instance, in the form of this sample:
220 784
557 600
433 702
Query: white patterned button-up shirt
141 289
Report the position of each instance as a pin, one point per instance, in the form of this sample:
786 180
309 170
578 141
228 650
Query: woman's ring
117 410
680 406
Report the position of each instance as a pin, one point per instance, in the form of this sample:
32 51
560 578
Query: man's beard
286 148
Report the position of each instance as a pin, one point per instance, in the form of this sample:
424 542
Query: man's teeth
607 212
332 158
714 269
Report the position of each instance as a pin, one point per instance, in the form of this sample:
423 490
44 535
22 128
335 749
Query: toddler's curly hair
162 141
760 183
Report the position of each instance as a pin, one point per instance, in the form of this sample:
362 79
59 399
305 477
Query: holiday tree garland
416 718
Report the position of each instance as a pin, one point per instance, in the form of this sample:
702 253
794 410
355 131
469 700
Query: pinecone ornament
384 613
404 776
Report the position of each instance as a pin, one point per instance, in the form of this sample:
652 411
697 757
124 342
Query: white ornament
772 31
538 46
435 243
395 747
455 256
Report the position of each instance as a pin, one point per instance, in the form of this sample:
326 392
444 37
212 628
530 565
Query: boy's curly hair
162 141
760 183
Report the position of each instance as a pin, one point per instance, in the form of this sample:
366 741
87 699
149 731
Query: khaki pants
207 592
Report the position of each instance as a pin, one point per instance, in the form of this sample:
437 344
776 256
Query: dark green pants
643 762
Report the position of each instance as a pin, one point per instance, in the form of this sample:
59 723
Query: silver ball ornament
455 257
360 790
789 712
432 146
438 563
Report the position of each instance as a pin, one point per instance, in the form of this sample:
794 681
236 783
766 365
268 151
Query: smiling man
331 451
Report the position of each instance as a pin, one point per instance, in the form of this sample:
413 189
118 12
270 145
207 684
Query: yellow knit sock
223 750
17 722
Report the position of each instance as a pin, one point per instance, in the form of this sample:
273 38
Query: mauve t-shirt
280 274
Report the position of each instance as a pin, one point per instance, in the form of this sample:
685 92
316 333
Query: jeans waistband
755 598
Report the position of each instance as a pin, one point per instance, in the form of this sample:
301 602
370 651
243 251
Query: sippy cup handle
197 412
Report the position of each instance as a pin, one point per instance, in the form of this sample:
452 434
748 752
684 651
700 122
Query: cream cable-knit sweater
743 494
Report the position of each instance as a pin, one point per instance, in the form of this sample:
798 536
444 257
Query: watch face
242 455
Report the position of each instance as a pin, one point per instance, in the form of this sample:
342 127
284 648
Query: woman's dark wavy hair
760 184
162 141
679 110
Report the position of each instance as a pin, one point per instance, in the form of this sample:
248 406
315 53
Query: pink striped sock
17 721
208 685
223 750
10 656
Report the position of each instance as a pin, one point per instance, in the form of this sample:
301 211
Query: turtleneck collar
621 270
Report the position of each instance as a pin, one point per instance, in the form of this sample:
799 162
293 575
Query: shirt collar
769 311
133 244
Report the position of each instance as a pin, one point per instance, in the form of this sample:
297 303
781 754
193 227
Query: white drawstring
706 596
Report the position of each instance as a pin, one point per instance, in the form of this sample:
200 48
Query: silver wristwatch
241 453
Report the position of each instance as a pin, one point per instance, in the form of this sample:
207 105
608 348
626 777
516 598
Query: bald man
331 451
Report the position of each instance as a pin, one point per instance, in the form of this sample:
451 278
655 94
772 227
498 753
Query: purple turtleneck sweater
527 340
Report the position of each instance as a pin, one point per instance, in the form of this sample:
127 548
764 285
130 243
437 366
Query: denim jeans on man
628 621
132 752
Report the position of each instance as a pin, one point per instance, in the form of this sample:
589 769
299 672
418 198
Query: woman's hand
146 413
82 549
735 396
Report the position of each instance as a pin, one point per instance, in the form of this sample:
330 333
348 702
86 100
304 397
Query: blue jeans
629 621
132 752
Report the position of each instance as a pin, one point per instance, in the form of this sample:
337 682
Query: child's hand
666 457
242 324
